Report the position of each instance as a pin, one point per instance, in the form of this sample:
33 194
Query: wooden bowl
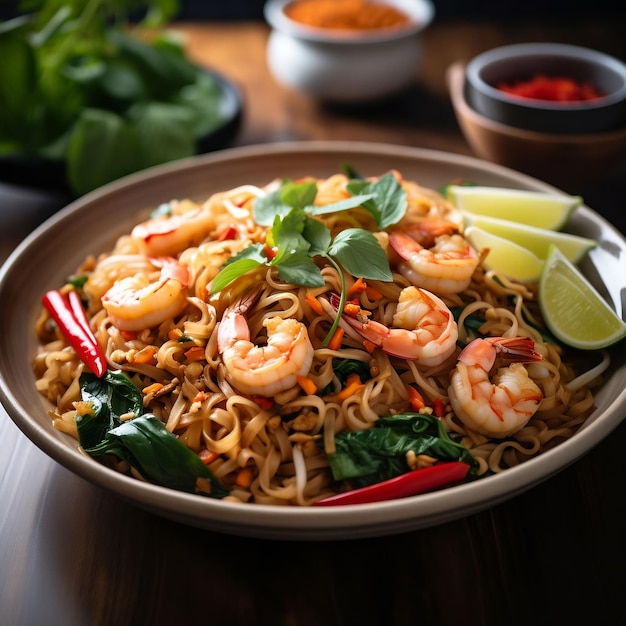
561 159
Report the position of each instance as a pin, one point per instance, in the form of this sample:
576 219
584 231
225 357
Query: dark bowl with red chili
548 87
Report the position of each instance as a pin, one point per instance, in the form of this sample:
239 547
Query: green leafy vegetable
142 441
296 238
343 368
80 87
388 202
369 456
147 445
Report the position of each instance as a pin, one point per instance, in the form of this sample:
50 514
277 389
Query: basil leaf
369 456
389 203
164 132
298 195
266 208
298 268
341 205
233 270
102 147
287 235
111 396
158 455
317 235
360 254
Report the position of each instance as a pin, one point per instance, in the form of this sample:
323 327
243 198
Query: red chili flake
552 88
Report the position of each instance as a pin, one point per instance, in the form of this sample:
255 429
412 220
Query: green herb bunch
99 86
296 238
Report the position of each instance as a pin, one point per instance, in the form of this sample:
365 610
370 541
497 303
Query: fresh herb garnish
81 87
296 239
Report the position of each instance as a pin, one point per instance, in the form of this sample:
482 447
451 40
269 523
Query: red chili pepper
70 317
438 408
409 484
230 232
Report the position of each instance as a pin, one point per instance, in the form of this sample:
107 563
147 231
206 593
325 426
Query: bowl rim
588 56
420 12
456 77
270 521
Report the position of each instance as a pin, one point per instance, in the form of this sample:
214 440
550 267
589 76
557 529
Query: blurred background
445 9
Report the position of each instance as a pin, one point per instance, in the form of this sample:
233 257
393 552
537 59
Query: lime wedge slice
504 256
535 208
572 308
537 240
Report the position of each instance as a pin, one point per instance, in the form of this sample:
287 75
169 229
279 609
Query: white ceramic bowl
521 62
93 223
342 66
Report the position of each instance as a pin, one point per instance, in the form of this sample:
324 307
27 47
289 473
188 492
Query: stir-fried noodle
264 413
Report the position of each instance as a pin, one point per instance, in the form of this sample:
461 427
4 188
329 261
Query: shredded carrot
145 355
201 396
337 339
175 334
415 398
153 388
128 335
438 408
314 303
357 288
207 456
196 353
373 294
370 346
353 384
244 477
307 384
352 309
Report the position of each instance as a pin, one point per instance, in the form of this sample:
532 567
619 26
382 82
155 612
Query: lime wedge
504 256
572 308
535 208
537 240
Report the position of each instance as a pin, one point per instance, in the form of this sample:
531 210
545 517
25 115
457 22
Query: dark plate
50 175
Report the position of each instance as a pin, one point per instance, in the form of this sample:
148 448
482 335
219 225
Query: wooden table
74 555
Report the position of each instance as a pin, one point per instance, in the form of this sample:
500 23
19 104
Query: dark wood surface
72 554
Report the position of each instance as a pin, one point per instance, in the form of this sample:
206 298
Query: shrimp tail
515 349
234 325
508 349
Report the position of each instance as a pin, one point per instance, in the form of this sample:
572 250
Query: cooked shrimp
113 268
138 302
426 230
447 267
424 329
167 235
263 370
500 407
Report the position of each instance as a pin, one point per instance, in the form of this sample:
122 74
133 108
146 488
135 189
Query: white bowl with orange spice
346 50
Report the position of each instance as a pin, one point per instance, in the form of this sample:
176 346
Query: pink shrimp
500 406
446 267
263 370
170 234
138 302
424 329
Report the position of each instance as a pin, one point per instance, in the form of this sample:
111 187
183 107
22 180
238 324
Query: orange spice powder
346 14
